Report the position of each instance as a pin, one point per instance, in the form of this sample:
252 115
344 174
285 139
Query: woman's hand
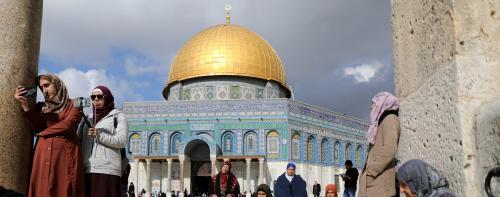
19 96
93 132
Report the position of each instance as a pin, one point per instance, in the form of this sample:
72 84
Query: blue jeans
349 192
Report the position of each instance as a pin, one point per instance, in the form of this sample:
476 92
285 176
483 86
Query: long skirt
104 185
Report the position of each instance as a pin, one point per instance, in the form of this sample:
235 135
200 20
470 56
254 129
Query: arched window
358 156
227 142
135 144
347 153
175 143
310 148
155 145
273 145
250 143
335 153
296 146
324 145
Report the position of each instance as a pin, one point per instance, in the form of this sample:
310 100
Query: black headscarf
265 188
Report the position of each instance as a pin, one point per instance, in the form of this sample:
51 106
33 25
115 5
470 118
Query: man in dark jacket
131 189
350 179
224 183
290 184
316 189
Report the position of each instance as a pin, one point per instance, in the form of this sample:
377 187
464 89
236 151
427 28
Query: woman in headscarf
263 190
419 179
224 183
379 176
290 184
57 164
102 145
331 190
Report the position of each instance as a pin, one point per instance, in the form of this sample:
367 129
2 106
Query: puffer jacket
102 154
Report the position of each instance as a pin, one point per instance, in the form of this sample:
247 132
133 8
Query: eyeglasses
94 97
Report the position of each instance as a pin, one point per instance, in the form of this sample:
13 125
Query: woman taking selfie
102 145
57 164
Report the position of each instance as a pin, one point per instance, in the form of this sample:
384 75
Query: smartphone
81 102
30 92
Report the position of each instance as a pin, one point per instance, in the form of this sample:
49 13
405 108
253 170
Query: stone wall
447 69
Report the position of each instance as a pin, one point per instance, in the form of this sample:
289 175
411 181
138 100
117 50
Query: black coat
316 189
233 187
284 188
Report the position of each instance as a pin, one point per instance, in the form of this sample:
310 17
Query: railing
495 172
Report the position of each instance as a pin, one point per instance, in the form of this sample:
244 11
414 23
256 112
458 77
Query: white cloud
364 72
80 84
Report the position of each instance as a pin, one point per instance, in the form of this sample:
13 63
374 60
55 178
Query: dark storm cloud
316 40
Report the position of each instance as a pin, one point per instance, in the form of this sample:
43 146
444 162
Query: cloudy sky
337 53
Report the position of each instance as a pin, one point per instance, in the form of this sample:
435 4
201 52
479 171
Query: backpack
123 152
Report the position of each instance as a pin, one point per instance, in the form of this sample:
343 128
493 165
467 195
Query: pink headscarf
383 101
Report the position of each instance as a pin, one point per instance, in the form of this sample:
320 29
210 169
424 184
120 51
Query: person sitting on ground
417 178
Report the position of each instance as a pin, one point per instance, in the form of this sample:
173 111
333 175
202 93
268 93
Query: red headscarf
225 176
332 187
109 103
228 163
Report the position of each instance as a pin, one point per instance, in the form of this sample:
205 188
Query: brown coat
379 175
57 164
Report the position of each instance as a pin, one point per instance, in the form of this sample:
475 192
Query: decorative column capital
213 157
248 160
182 158
169 161
148 161
261 160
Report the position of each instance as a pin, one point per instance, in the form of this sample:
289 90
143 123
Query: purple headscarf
383 101
109 103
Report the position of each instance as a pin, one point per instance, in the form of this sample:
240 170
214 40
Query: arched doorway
199 152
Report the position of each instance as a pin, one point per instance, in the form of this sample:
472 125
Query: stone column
181 175
247 182
214 168
262 180
169 176
20 25
148 176
164 176
447 64
136 175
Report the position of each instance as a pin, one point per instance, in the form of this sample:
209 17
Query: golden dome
227 50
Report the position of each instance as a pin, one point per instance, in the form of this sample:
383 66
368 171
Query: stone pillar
20 25
181 176
148 176
164 176
169 176
247 182
136 175
262 180
447 64
213 160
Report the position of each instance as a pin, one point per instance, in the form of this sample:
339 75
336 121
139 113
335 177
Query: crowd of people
76 155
